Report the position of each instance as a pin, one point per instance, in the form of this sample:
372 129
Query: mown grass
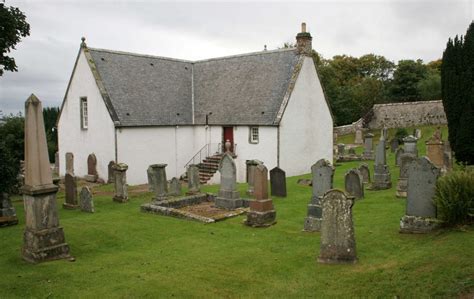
121 252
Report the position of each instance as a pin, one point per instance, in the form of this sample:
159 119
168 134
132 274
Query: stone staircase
207 168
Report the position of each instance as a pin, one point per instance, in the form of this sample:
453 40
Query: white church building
142 109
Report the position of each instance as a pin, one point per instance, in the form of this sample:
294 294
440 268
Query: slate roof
155 91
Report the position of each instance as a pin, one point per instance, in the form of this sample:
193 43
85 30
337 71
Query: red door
228 135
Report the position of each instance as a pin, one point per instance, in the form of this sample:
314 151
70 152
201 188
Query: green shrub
454 197
400 134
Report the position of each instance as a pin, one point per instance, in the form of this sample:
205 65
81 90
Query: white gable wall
98 138
306 127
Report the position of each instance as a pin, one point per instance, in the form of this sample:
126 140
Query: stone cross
91 168
43 238
228 196
368 151
382 177
251 165
261 213
420 216
365 172
338 244
175 187
120 181
70 184
278 182
159 182
7 211
323 174
398 156
402 183
409 145
110 175
193 179
70 163
435 149
86 201
354 183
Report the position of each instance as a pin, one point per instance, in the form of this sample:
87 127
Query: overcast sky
196 30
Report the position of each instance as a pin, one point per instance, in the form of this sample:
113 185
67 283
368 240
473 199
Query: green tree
429 88
50 115
11 151
406 77
13 27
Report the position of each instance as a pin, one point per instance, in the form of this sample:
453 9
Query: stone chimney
303 41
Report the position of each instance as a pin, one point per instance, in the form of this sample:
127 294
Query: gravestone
278 182
340 149
149 173
420 216
358 136
368 146
435 149
120 182
7 211
352 151
365 172
43 238
354 183
409 145
158 181
394 144
338 244
56 163
228 196
110 174
70 185
193 179
384 133
262 212
175 187
398 156
323 174
70 163
447 157
86 202
417 133
91 169
382 177
251 165
402 183
334 138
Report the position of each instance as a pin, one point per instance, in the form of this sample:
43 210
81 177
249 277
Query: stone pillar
382 177
70 184
368 147
193 179
229 196
251 165
303 41
354 183
43 238
159 182
402 183
338 244
120 180
323 174
7 211
262 213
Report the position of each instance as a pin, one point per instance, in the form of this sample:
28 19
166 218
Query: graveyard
121 251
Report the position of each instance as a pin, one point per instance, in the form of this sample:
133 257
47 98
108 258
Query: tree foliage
457 87
13 27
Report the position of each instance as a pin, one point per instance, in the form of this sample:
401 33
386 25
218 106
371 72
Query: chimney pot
303 27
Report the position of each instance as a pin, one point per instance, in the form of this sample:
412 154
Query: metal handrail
203 153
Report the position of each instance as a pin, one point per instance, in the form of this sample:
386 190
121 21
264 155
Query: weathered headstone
384 133
7 211
338 244
382 177
120 182
435 149
358 136
158 181
334 138
278 182
417 133
175 187
341 149
86 201
193 179
43 238
398 156
91 168
368 146
402 183
70 163
323 174
409 145
420 216
394 144
110 174
251 165
229 196
56 163
365 172
70 184
149 173
262 212
354 183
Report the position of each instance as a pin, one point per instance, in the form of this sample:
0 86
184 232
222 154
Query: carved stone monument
86 201
120 182
56 163
409 145
193 179
70 163
323 174
365 172
402 183
338 244
7 211
394 144
382 177
358 136
175 187
262 212
278 182
368 146
341 149
110 175
229 196
43 238
354 183
70 184
251 165
398 156
91 169
158 181
435 149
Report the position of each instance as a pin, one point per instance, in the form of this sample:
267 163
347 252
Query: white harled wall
306 127
98 138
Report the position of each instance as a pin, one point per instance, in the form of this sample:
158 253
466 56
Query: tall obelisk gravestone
43 238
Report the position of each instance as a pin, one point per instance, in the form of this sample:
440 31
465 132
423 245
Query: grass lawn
121 252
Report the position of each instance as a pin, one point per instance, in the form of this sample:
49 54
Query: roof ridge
139 55
247 54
